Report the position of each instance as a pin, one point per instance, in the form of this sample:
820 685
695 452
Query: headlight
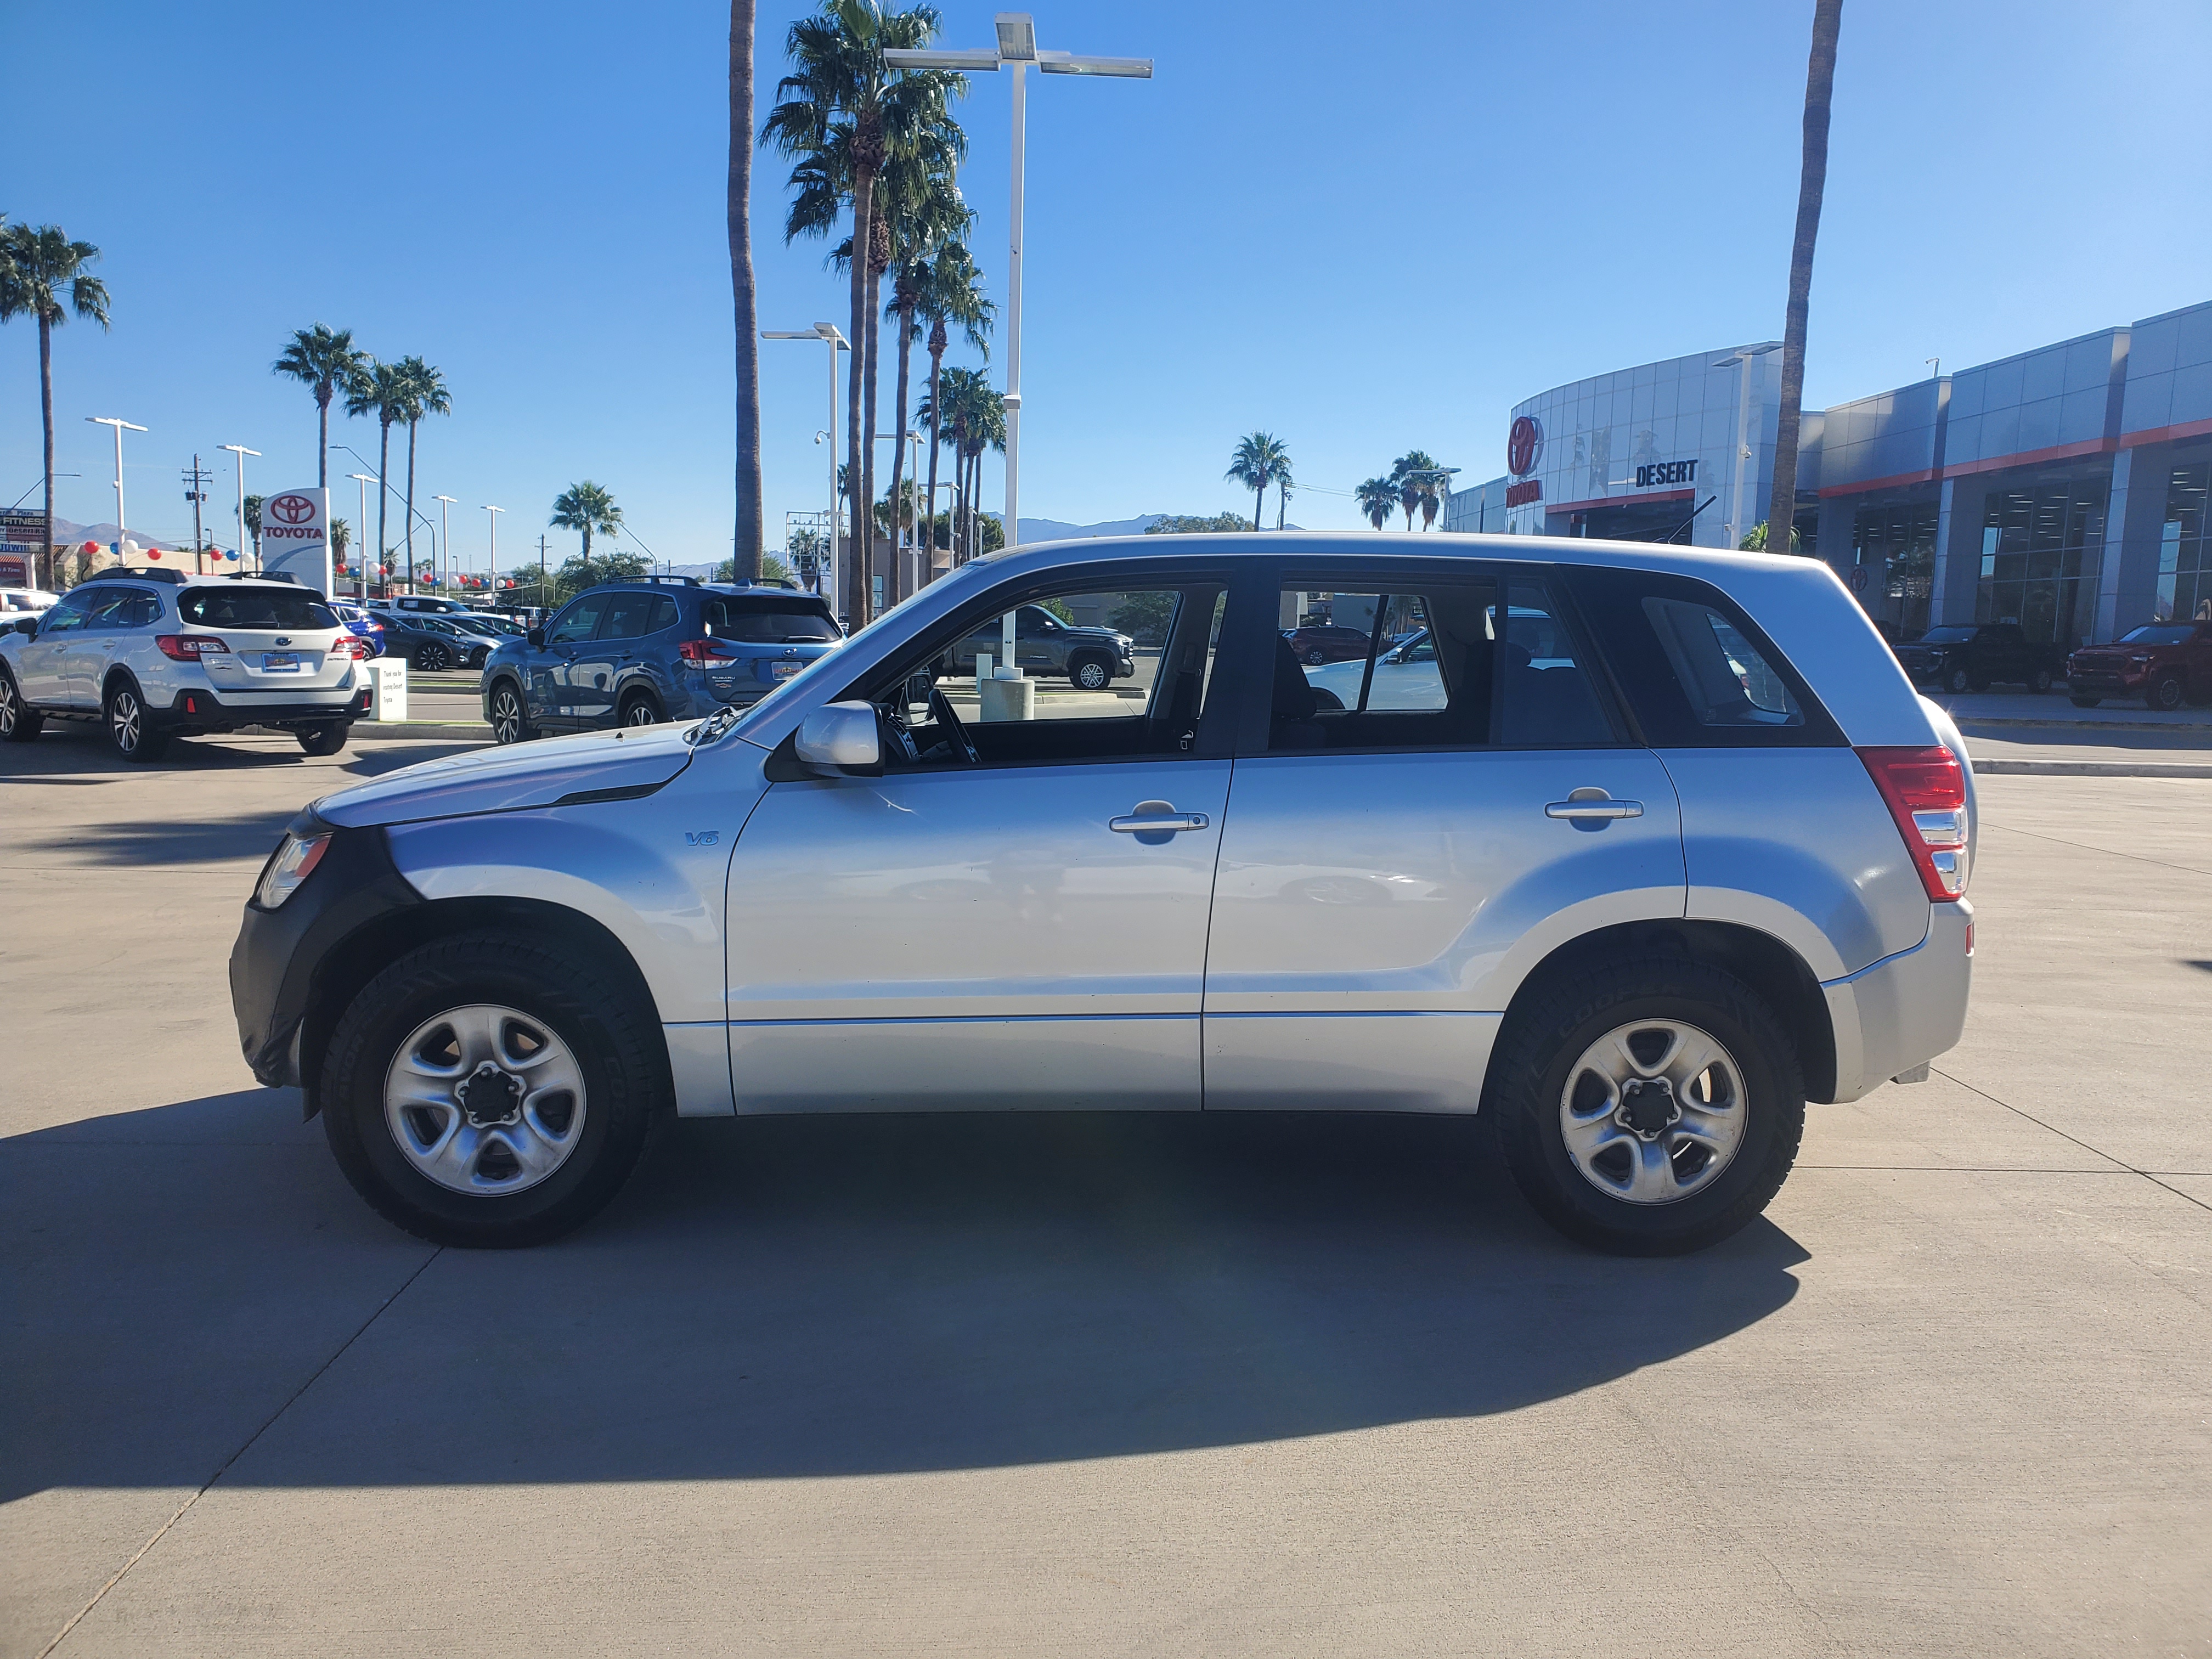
295 862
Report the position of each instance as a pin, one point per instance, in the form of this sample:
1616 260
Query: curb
2047 768
420 728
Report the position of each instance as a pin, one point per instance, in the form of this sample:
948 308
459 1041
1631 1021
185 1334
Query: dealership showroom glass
2063 488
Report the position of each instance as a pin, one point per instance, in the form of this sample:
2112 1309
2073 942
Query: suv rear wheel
325 739
1648 1108
491 1091
19 723
639 709
123 718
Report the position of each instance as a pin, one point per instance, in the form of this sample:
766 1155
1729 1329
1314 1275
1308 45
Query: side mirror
537 636
839 738
27 627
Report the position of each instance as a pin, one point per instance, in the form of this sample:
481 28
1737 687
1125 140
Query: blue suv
651 648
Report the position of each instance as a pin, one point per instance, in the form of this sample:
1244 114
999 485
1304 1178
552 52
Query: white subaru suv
1645 849
153 655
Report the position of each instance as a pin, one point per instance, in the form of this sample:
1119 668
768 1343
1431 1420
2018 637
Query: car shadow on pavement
805 1296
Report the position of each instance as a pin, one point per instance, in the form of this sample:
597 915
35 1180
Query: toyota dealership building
2063 488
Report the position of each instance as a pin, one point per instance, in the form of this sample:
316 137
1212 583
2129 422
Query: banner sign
22 532
295 536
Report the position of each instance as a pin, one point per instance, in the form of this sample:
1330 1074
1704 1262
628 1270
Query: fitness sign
1524 447
295 536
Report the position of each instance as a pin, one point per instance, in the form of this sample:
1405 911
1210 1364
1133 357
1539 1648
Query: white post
1738 529
122 524
830 553
1014 327
241 452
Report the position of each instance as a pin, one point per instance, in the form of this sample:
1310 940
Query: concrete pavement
1097 1385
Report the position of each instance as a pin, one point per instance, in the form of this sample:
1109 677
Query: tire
123 720
1316 656
433 659
510 717
606 1044
2039 681
640 710
325 739
19 723
2168 692
2085 702
1956 680
1090 674
1539 1080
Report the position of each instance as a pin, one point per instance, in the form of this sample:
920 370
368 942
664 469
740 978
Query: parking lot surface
1092 1385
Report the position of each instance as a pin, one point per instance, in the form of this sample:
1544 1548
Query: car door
39 662
90 649
1002 933
1392 867
605 661
552 694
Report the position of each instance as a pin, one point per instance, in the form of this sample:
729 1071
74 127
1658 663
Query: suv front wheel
1648 1108
491 1091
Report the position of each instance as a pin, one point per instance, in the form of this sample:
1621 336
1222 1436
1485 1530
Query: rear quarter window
1697 672
252 609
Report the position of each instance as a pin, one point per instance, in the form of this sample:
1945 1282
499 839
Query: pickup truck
2166 664
1963 658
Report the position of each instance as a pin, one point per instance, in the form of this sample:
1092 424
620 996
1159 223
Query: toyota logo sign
291 509
1523 445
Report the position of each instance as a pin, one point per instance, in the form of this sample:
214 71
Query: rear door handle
1589 805
1154 817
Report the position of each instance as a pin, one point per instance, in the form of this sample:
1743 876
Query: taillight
1925 790
346 646
190 648
700 651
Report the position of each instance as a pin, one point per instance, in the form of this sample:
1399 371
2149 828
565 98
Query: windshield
255 609
2165 634
1947 637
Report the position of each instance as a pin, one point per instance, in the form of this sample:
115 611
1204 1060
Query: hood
631 761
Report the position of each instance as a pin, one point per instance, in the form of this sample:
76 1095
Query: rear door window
633 616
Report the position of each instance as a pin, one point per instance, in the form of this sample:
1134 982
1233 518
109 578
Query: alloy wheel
11 709
484 1100
640 713
506 717
1091 676
1653 1112
126 721
431 658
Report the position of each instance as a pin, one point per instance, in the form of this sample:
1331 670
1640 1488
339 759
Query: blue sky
1362 229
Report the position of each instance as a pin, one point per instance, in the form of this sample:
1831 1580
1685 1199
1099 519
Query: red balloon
153 552
92 547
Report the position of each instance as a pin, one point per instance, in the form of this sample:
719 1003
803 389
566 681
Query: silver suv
1646 847
153 655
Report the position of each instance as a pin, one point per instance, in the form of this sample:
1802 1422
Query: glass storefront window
2184 548
1896 543
2039 555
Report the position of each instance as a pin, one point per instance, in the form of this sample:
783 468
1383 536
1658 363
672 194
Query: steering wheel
940 706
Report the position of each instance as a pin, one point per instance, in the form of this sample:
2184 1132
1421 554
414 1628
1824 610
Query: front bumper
195 710
1902 1011
281 954
2109 682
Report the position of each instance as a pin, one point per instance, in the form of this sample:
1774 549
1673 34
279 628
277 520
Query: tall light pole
826 332
360 517
1739 507
122 524
241 452
494 512
1018 47
446 528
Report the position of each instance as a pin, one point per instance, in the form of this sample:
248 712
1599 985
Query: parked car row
2167 665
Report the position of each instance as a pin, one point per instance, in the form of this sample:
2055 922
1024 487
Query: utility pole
196 483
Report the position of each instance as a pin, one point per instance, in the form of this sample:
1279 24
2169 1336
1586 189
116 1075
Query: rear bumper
196 710
1904 1010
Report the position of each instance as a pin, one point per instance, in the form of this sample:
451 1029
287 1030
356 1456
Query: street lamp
361 540
1018 47
241 452
446 528
826 332
122 524
496 512
1739 508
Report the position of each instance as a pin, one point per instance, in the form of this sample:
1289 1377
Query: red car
2164 663
1319 642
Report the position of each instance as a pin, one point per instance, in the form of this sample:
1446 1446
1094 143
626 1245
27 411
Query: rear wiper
713 726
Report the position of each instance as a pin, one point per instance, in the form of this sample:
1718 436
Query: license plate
280 662
784 671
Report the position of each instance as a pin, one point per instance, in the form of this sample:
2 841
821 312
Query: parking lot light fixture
1017 45
446 527
122 524
241 452
361 547
826 332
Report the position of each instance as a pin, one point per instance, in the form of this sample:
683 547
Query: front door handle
1157 817
1592 807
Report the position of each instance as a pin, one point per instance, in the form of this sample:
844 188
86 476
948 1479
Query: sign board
15 570
22 532
295 536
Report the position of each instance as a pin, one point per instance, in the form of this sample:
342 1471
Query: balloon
153 552
92 547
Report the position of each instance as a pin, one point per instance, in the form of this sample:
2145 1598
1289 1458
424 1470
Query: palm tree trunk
936 433
407 518
323 438
898 453
868 417
1259 496
751 531
859 561
383 493
1812 187
46 416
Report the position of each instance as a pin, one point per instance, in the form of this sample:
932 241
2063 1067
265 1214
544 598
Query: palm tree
341 539
923 209
325 360
1812 188
751 530
382 390
587 507
253 526
839 115
1376 497
1260 459
1415 474
951 294
425 394
36 265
